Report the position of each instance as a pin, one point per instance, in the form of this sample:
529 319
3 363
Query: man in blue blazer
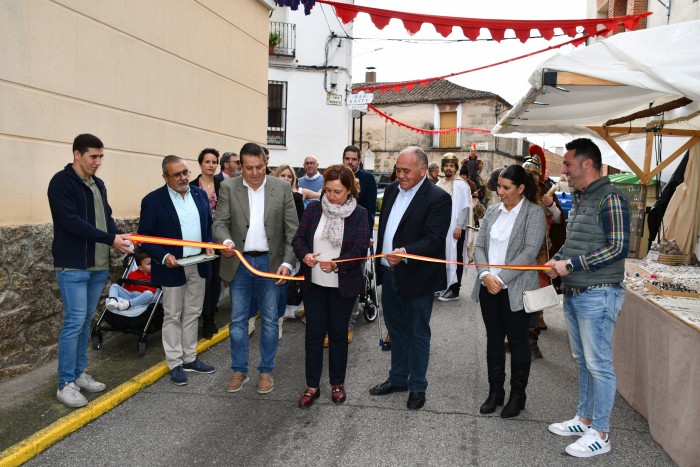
178 210
414 220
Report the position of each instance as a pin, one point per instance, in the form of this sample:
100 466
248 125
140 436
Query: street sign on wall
359 101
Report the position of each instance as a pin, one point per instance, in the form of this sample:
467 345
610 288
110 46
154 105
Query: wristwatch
569 266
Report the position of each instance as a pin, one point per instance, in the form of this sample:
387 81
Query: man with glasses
230 166
178 210
83 231
313 180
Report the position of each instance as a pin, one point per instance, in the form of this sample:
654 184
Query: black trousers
326 313
212 290
500 322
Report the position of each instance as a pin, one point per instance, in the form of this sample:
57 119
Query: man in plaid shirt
591 265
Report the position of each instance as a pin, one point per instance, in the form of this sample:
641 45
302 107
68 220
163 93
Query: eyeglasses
183 174
310 163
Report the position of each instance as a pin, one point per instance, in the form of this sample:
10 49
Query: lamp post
497 110
357 114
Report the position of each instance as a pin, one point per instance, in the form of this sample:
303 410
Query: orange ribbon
215 246
218 246
518 267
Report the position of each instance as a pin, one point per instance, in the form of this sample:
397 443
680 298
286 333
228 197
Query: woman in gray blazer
511 232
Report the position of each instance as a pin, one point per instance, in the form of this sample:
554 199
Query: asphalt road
201 424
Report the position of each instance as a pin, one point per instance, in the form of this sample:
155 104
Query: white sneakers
70 394
85 381
571 427
117 304
590 444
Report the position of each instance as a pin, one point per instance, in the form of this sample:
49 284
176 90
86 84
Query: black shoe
386 345
496 397
209 329
198 366
416 400
386 388
449 296
516 403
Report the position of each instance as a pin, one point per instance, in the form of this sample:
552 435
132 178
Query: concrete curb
26 449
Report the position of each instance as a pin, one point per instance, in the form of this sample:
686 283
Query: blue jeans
281 304
242 289
80 291
135 298
590 319
408 322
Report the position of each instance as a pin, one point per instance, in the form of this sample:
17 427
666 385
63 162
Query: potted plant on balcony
273 40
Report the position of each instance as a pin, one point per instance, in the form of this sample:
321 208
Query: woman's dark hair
343 173
206 151
520 176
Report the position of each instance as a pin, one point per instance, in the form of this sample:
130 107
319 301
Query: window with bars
277 113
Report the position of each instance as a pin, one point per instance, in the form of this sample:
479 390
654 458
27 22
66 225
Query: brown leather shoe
325 342
338 395
236 382
265 383
350 336
307 399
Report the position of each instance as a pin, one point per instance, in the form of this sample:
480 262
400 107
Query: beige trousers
182 307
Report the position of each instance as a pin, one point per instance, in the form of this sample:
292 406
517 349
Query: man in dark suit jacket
414 220
178 210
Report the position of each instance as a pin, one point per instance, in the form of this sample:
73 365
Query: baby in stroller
128 299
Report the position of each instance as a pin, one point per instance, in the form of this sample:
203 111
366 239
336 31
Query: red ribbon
424 130
409 85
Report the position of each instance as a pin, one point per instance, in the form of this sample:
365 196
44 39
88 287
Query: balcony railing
287 33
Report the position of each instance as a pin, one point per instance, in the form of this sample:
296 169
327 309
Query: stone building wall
31 311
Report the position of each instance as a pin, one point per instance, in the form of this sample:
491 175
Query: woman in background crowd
208 162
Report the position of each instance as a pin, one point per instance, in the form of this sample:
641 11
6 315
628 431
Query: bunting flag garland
471 27
409 85
424 130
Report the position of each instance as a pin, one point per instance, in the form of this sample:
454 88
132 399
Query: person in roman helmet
536 164
474 165
461 218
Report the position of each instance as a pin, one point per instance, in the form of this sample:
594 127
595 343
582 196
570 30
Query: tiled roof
435 91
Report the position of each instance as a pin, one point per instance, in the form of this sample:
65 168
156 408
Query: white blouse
328 251
501 231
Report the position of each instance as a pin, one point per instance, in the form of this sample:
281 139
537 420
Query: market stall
655 350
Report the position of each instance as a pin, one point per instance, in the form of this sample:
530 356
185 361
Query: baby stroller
368 298
139 320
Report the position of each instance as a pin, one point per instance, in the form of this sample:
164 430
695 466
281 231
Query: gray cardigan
523 246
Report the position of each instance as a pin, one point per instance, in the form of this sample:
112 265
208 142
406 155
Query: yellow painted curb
26 449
